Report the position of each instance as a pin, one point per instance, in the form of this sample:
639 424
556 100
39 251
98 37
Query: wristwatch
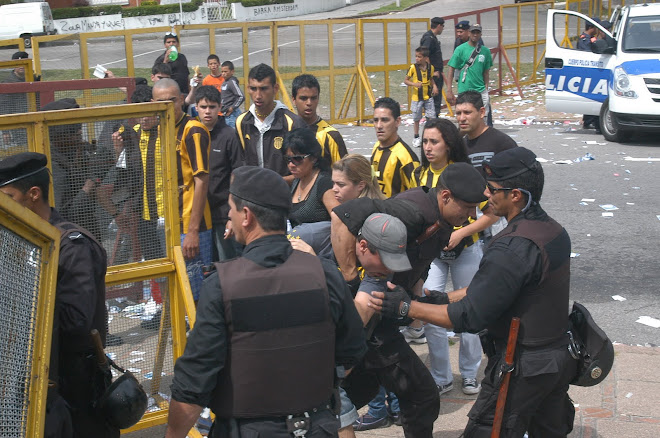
403 309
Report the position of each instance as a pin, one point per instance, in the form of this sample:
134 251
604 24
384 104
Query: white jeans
469 353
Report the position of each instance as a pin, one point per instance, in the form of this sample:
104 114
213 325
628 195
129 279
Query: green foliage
148 7
5 2
86 11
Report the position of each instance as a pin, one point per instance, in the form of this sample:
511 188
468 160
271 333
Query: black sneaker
367 422
395 417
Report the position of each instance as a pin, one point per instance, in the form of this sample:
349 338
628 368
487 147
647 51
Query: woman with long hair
442 145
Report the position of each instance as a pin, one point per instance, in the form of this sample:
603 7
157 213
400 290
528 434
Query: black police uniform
79 308
228 364
430 40
584 43
524 273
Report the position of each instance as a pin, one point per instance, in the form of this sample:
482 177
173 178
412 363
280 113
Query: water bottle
174 54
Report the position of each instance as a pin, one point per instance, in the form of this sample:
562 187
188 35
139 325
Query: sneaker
394 416
417 142
471 386
413 335
443 389
367 422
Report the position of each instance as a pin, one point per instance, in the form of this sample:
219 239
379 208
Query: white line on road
141 54
641 159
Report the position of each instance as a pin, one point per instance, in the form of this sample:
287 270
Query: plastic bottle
174 53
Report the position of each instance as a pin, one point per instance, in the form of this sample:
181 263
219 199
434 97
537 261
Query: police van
618 80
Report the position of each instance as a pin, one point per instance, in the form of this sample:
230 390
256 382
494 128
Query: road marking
641 159
285 44
143 54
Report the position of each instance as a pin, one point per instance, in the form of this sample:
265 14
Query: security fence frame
177 296
44 238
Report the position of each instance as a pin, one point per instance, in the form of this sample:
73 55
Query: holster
487 343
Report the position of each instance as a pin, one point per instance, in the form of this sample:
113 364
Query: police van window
642 34
571 33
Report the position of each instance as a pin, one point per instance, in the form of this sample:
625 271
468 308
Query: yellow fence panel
147 289
28 273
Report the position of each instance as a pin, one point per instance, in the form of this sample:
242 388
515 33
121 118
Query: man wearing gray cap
473 60
274 327
79 306
429 216
525 273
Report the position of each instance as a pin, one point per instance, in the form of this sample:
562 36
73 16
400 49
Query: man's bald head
166 83
168 90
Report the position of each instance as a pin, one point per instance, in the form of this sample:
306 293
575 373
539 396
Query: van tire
27 40
610 127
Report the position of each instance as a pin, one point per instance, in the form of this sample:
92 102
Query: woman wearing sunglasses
441 146
311 189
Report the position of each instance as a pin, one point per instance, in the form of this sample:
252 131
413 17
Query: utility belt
297 424
494 347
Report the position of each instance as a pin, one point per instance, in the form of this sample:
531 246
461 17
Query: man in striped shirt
392 160
305 90
192 157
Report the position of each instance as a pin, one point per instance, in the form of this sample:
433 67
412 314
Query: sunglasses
494 190
170 34
295 159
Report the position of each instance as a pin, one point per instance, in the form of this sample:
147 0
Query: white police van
619 80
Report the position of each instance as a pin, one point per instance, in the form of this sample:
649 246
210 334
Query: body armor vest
422 254
281 338
542 308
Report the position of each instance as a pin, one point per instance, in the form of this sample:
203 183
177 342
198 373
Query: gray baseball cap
388 235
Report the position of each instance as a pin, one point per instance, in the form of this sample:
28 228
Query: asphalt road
617 255
110 53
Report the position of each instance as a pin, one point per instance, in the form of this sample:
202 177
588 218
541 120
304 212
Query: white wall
298 7
116 22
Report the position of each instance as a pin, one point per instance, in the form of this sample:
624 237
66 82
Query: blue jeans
377 408
204 258
469 353
230 120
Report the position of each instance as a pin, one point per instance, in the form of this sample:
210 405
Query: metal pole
181 11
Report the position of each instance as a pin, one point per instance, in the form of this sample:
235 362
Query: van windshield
642 34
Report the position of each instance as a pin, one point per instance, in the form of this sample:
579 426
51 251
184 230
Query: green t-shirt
474 79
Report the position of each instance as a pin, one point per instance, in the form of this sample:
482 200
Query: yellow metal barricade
143 273
28 273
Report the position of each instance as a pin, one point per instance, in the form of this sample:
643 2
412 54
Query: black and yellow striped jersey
416 74
394 167
332 143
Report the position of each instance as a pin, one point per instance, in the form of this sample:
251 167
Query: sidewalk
625 405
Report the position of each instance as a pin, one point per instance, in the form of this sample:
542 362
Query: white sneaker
413 335
417 142
471 386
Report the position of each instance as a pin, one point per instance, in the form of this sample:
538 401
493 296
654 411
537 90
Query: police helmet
124 402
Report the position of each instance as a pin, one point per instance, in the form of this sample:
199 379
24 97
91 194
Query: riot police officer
271 327
79 307
524 273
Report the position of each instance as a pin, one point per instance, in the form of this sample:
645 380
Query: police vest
281 338
424 248
542 308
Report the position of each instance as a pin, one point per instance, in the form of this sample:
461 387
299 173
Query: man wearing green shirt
472 75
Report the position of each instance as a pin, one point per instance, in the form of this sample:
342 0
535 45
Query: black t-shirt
312 209
484 147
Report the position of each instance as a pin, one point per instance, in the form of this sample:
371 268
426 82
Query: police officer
585 42
271 326
430 41
525 272
429 216
79 306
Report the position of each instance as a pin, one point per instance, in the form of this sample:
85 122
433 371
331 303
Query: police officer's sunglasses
295 159
494 190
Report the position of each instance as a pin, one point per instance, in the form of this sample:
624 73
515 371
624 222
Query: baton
504 387
101 358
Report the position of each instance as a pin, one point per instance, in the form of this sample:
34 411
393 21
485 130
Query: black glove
396 303
434 297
